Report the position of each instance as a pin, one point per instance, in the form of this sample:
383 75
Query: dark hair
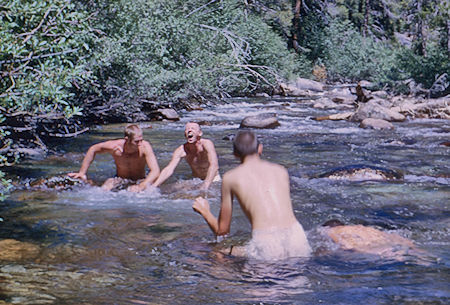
245 143
333 223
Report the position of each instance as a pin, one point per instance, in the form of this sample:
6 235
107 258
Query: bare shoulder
111 144
147 147
275 167
207 143
179 152
231 175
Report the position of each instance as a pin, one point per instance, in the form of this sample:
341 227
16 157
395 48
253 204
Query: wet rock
447 143
374 110
264 120
229 137
36 153
301 87
360 172
376 124
204 123
324 103
329 103
335 117
166 114
348 100
58 183
14 250
380 94
428 108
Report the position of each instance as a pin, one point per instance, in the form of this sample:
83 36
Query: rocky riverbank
31 135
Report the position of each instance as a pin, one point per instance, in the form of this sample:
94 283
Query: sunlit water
151 248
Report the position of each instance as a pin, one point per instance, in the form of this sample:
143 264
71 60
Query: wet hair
192 122
245 143
333 223
132 130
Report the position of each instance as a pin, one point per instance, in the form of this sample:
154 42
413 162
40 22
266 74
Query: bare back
262 189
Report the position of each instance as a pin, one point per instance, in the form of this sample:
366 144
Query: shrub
42 55
181 49
351 57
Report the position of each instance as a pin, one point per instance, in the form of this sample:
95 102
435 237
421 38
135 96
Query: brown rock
264 120
13 250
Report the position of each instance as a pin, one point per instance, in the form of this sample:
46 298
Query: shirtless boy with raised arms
262 189
199 153
130 154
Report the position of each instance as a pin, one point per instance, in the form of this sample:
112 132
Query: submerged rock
14 250
361 172
58 183
376 124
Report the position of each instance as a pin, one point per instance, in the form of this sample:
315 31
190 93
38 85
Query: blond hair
132 130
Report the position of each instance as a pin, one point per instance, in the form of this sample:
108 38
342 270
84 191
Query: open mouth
190 135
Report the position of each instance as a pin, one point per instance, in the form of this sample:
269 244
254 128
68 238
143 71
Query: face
137 140
192 132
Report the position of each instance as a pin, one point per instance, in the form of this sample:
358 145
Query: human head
333 223
192 132
133 134
246 143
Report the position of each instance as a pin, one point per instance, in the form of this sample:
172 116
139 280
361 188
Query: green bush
42 55
424 69
350 57
180 49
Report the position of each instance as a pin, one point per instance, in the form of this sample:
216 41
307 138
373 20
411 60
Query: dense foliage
182 49
42 55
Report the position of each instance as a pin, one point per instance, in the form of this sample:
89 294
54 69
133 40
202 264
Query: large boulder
374 110
301 87
166 114
263 120
376 124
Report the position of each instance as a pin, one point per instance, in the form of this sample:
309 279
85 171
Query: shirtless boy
199 153
130 154
262 189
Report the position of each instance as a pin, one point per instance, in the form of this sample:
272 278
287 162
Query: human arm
153 166
169 169
213 164
102 147
220 226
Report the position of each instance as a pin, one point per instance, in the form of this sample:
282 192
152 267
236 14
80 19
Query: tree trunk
296 25
366 18
448 36
420 49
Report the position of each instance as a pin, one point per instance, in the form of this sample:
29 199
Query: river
99 247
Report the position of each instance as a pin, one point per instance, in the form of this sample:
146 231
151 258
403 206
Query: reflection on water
89 246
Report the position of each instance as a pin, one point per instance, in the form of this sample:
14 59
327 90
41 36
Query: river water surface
101 247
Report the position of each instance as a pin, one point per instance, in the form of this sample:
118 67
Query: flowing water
99 247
